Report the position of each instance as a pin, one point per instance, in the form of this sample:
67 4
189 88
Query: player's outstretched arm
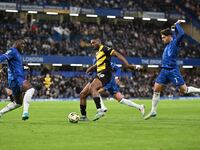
122 59
179 30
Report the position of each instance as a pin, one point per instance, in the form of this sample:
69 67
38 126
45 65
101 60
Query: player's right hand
138 67
134 67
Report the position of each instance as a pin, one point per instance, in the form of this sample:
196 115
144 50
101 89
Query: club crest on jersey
101 75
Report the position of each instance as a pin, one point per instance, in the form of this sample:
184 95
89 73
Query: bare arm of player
122 59
101 90
91 68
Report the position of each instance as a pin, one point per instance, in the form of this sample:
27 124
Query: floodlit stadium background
58 34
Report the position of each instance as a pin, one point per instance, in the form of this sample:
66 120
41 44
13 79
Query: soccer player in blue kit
170 70
113 88
16 80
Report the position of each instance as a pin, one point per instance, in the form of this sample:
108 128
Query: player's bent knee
183 89
157 90
27 85
94 87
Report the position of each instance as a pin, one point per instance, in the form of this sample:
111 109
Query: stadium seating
138 39
71 37
139 84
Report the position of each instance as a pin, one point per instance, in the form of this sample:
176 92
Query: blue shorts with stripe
112 87
170 75
16 86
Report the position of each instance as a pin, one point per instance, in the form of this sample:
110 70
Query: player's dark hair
166 32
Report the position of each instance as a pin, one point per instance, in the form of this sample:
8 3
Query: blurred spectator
139 85
193 6
134 39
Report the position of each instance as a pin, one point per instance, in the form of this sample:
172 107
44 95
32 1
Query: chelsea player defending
113 88
170 70
16 80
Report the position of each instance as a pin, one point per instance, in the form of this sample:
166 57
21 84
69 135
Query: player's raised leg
189 89
12 105
118 96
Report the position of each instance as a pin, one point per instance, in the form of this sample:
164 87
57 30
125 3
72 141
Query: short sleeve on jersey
9 54
107 50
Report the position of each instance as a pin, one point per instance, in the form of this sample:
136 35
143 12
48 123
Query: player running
113 88
104 71
83 96
170 70
16 80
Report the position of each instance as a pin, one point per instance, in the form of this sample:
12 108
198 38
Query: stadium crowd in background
193 6
72 38
137 39
140 84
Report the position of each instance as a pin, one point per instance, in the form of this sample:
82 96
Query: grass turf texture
177 127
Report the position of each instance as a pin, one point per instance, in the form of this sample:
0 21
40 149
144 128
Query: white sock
27 99
155 100
11 106
102 104
192 89
129 103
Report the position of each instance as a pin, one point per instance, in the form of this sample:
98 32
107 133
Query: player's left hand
178 21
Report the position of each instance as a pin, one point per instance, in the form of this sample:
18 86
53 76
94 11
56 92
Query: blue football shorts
16 86
170 75
112 87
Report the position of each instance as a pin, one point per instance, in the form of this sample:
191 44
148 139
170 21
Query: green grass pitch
177 127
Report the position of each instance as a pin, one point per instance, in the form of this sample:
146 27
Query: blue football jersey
169 57
15 65
116 69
